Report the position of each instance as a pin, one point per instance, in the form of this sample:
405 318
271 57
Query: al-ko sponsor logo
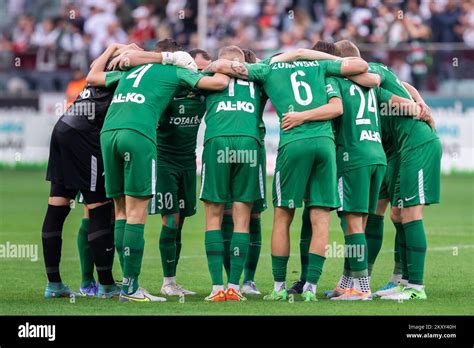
37 331
129 98
239 106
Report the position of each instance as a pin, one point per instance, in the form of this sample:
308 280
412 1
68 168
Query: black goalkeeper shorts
75 160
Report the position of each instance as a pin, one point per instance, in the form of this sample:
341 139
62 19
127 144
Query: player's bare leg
282 219
239 247
214 244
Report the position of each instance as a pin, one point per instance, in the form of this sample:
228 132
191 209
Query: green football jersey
261 124
358 130
142 95
234 111
178 128
405 132
297 86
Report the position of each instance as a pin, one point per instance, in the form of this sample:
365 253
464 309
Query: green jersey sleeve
188 78
333 90
375 69
258 71
332 67
383 96
112 77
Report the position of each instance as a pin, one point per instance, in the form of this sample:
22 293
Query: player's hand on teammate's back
425 111
291 120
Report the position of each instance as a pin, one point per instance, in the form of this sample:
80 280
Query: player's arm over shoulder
215 82
253 72
404 107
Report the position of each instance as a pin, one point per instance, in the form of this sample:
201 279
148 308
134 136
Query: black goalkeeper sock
52 239
101 241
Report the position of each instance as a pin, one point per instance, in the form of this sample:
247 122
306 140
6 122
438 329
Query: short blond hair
232 53
346 48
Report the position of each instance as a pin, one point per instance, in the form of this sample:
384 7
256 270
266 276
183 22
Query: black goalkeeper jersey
87 112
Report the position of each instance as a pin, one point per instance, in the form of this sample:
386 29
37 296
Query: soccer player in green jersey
415 182
175 197
231 170
255 229
128 141
360 165
306 165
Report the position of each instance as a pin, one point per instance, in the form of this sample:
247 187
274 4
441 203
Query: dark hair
326 47
195 51
167 45
249 55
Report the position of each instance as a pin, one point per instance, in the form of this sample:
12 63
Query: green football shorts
418 181
359 189
306 169
259 205
387 189
129 163
175 192
231 170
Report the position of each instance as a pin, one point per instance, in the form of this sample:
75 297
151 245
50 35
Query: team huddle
353 137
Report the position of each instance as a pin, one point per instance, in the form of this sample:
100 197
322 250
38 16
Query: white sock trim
279 286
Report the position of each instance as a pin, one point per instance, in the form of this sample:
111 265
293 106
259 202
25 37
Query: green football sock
255 235
279 264
416 250
239 248
315 267
347 265
215 255
305 240
119 231
168 250
178 247
397 269
374 237
356 248
402 248
227 228
133 247
85 255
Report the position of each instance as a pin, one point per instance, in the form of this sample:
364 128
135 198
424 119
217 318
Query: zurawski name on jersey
129 98
296 64
239 106
185 121
370 136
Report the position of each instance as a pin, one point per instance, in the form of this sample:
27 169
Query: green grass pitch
449 271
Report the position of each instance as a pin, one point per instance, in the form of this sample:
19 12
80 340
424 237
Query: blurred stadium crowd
43 43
